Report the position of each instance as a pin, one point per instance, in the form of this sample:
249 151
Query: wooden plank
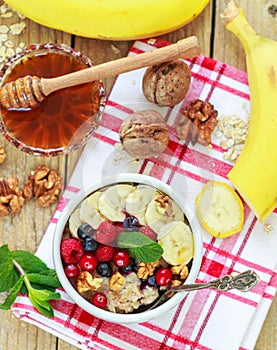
26 230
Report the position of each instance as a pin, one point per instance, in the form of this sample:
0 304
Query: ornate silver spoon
243 282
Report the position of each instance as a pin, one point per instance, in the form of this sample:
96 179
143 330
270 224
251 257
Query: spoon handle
184 48
243 282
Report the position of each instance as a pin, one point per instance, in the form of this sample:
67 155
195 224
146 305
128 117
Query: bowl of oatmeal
121 242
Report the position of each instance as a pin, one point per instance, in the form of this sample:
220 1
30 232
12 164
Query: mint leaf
47 278
7 274
29 262
40 298
140 246
148 253
12 294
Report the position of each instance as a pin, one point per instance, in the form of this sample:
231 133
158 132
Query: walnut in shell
167 84
144 134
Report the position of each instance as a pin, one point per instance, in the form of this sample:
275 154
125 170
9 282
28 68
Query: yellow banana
111 19
254 174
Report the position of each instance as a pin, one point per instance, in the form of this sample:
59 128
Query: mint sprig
140 246
23 272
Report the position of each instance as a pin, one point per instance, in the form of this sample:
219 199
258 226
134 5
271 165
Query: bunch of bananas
109 19
254 174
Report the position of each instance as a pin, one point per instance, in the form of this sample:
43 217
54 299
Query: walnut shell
167 84
144 134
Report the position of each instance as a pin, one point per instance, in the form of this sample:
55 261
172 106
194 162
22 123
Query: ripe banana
89 210
254 174
109 19
177 242
113 200
138 200
219 209
161 211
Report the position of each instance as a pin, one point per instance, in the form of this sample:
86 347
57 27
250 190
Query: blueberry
129 268
89 245
151 280
104 269
131 223
84 231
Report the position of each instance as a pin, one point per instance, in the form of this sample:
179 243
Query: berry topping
88 262
131 223
163 276
151 280
90 245
129 268
71 271
147 231
99 300
104 253
106 232
84 231
104 269
121 259
71 250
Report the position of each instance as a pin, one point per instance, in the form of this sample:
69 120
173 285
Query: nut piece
44 184
181 270
11 198
86 281
146 269
165 204
3 154
144 134
167 84
197 122
116 282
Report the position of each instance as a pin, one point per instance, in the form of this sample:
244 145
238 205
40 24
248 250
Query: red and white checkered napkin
206 319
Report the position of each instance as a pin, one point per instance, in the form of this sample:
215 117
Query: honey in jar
66 118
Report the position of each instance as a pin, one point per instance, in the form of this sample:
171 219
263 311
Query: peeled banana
109 19
254 174
177 242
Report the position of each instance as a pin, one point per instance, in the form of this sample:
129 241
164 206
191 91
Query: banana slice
160 211
220 209
113 201
176 240
74 222
89 210
138 200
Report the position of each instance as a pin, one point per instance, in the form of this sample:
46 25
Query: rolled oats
3 154
232 129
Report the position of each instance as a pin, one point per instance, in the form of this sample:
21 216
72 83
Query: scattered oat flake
268 228
17 28
4 29
151 41
7 14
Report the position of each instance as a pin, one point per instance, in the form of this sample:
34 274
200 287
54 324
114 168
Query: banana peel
254 173
109 19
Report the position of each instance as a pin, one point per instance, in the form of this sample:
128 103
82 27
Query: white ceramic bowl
107 315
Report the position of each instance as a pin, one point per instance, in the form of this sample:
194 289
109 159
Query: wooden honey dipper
28 91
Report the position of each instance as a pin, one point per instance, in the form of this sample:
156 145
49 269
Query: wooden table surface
26 230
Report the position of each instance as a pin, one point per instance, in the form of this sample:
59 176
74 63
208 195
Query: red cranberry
71 271
163 276
121 259
88 262
99 300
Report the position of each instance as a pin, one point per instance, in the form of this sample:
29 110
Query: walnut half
11 198
44 184
197 122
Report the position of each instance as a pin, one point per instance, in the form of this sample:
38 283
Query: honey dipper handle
185 48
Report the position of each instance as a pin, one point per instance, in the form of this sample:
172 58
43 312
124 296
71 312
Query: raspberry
104 253
71 250
106 232
147 231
